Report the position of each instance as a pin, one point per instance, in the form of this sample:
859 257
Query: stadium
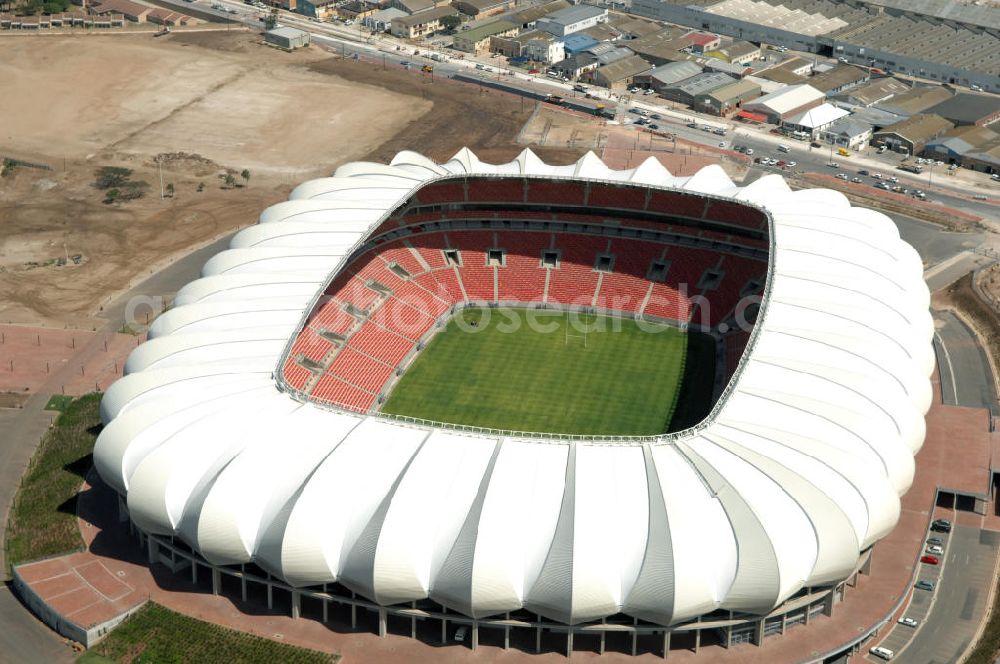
534 403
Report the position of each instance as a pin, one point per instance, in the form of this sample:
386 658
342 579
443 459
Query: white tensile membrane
799 468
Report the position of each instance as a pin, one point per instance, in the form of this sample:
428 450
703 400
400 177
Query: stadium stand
544 243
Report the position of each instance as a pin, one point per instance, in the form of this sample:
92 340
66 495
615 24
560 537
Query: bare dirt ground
549 126
196 104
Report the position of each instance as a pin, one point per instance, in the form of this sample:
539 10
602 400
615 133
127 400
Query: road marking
951 369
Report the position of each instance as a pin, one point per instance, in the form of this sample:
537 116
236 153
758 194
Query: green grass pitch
484 370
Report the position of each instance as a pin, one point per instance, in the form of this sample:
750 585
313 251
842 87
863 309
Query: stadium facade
231 459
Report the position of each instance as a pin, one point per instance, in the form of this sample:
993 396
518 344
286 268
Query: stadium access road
965 373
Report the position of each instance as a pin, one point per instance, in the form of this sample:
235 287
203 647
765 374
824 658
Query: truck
554 99
843 153
911 168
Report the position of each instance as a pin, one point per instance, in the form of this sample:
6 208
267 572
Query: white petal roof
798 468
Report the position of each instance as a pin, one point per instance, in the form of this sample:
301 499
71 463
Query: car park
924 584
882 653
908 622
930 560
941 526
934 550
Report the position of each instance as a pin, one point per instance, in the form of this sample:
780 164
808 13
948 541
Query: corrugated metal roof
788 99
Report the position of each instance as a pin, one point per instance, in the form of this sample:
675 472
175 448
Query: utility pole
160 164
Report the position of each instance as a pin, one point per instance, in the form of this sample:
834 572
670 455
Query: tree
108 177
450 22
229 180
201 187
170 189
246 176
110 196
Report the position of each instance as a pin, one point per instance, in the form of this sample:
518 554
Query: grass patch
59 402
43 517
156 634
483 370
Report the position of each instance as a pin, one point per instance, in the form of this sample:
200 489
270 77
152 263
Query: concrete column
382 619
326 610
123 512
866 569
194 571
296 604
216 581
354 616
569 643
538 634
475 634
635 642
243 582
413 623
270 596
444 631
506 634
828 603
600 647
666 643
729 637
758 633
697 640
151 549
784 622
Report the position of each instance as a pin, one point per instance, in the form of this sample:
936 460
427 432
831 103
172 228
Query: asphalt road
951 614
965 373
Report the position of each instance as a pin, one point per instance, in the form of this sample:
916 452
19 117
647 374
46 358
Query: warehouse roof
578 42
790 98
532 14
817 117
734 90
838 78
485 30
916 100
919 128
664 45
965 108
877 90
575 14
779 75
848 126
426 16
675 72
703 83
288 33
624 68
962 140
635 27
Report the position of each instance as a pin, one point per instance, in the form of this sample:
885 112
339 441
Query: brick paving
30 356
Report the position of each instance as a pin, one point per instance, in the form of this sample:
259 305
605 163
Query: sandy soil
213 101
556 128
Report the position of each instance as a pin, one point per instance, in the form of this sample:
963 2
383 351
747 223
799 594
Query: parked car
856 180
460 633
877 176
909 622
863 171
534 71
656 116
930 560
841 176
749 151
941 526
654 126
924 585
649 91
882 653
934 549
833 164
935 541
792 164
993 176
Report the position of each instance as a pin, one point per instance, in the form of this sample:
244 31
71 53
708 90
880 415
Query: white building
815 119
549 51
572 19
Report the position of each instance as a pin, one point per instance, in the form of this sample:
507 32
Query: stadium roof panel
798 468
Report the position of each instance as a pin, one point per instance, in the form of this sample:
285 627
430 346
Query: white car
841 176
649 92
791 164
877 176
935 550
881 652
909 622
